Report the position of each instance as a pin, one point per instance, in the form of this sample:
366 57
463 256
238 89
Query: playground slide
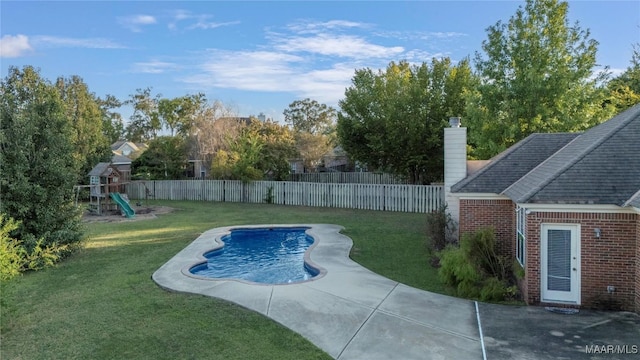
126 208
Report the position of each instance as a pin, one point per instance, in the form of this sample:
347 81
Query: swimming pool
273 255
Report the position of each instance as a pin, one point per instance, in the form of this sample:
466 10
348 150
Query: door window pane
559 260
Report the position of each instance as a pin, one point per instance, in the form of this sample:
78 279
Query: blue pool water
261 255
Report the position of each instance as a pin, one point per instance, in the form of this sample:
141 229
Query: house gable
601 166
512 164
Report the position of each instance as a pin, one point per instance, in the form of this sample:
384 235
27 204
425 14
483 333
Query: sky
260 56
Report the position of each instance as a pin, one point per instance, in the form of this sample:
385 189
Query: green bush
475 270
12 252
15 257
480 248
440 229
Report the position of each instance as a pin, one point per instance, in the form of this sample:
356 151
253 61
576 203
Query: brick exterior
501 214
613 259
609 260
638 264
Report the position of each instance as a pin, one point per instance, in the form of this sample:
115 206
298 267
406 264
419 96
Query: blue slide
126 208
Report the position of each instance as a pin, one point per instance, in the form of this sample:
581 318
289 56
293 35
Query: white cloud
154 67
14 46
245 70
135 22
90 43
308 59
341 45
205 25
273 72
314 27
200 21
327 85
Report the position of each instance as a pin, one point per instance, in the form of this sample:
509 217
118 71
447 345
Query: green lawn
102 304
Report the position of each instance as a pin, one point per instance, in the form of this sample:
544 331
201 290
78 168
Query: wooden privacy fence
348 177
385 197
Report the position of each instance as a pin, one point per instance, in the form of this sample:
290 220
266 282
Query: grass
102 304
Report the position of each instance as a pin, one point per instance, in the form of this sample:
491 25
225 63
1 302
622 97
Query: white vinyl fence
385 197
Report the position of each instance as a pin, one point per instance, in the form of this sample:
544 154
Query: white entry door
560 263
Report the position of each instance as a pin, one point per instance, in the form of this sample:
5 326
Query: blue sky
260 56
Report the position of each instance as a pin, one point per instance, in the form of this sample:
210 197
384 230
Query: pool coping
350 312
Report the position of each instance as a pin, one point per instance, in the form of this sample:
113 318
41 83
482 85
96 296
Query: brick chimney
455 163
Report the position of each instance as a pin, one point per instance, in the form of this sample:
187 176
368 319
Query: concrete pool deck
353 313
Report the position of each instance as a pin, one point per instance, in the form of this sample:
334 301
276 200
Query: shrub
269 197
11 252
475 270
480 248
441 229
15 257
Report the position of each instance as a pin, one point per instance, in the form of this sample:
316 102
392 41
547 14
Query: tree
112 125
82 109
178 114
278 147
625 88
240 162
165 158
38 173
212 124
393 120
145 122
537 76
311 117
313 125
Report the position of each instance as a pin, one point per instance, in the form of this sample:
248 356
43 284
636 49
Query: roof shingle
601 166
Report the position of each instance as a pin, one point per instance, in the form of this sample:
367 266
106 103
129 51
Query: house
565 207
127 148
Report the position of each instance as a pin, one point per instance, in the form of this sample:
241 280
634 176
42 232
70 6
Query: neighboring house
197 169
127 148
565 206
335 159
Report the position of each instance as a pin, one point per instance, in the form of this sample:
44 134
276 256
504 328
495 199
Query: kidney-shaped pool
273 255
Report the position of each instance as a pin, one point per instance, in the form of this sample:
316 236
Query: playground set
106 190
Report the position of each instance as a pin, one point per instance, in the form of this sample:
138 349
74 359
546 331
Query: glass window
521 220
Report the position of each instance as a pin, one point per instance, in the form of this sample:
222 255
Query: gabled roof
99 169
120 159
512 164
120 143
601 166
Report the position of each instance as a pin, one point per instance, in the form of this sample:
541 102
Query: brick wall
610 260
638 264
476 214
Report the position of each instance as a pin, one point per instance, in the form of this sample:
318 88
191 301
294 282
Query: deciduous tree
537 75
166 158
625 88
313 125
112 125
38 169
144 123
82 109
393 120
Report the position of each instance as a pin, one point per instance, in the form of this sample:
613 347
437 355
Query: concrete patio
353 313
